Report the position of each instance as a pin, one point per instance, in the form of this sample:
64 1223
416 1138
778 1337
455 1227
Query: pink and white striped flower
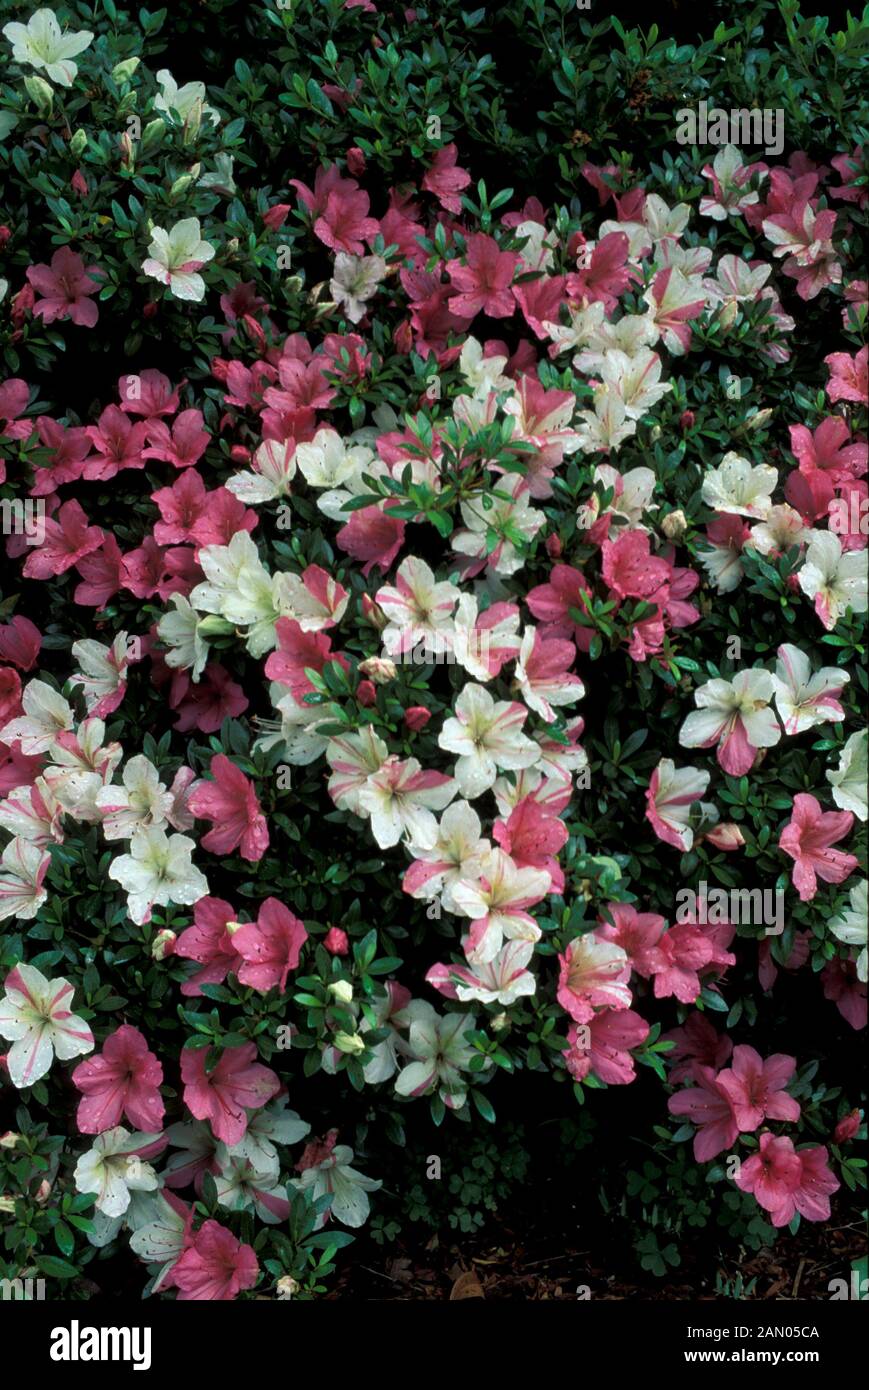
399 799
502 980
594 974
35 1017
671 793
419 610
735 716
458 853
487 736
542 673
803 699
23 866
498 903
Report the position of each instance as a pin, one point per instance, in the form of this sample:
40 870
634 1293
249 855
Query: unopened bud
350 1043
163 944
122 71
215 626
40 94
287 1286
372 613
79 143
380 669
760 420
674 525
9 1139
342 990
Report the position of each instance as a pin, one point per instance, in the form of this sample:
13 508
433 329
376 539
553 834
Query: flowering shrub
430 658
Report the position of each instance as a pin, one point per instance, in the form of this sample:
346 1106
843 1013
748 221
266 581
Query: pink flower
20 641
231 803
214 1267
336 942
706 1105
697 1041
148 394
65 286
10 695
484 281
209 943
603 1046
340 210
69 448
681 953
372 536
204 706
270 947
101 573
847 1127
808 838
607 275
849 376
785 1182
841 985
68 537
224 1095
14 398
118 443
551 604
181 506
124 1079
594 974
183 445
445 179
757 1088
830 449
298 651
629 568
532 837
638 934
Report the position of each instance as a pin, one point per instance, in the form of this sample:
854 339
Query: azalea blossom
708 1106
740 488
355 280
734 716
594 974
756 1088
671 793
142 801
46 714
230 802
102 674
157 871
113 1170
849 779
40 44
458 853
23 866
36 1018
785 1181
224 1095
269 947
439 1054
419 610
486 735
174 257
834 578
542 673
502 980
804 699
852 923
808 839
399 800
497 903
187 102
603 1046
348 1188
123 1079
213 1267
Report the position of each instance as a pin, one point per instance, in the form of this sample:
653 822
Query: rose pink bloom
849 376
808 838
181 506
767 971
14 398
317 1151
638 934
149 394
540 301
757 1088
445 179
483 283
607 275
270 946
101 572
629 568
118 443
153 569
680 954
785 1182
697 1041
17 769
208 942
847 1127
551 604
841 985
543 674
68 537
706 1105
372 536
230 802
214 1267
124 1079
10 695
340 210
205 705
224 1095
65 286
595 173
183 445
533 837
222 515
299 650
593 973
20 640
603 1046
829 448
69 448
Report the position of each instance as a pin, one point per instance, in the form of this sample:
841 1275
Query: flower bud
674 525
727 313
214 626
121 72
355 162
41 94
655 433
686 421
380 669
153 133
845 1129
372 613
163 944
336 941
760 420
366 694
342 990
181 185
416 717
9 1139
553 546
79 143
349 1043
287 1286
7 1204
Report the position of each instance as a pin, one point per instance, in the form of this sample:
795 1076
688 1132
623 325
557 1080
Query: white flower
247 1177
627 507
103 669
482 643
46 714
482 374
158 870
79 767
297 730
328 462
274 467
849 779
835 579
781 528
24 866
142 801
457 853
502 980
607 426
734 714
672 793
188 101
240 589
419 610
487 737
35 1017
113 1170
400 798
188 650
352 758
738 487
802 699
850 925
32 812
440 1054
41 44
507 521
637 380
175 256
349 1187
355 280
